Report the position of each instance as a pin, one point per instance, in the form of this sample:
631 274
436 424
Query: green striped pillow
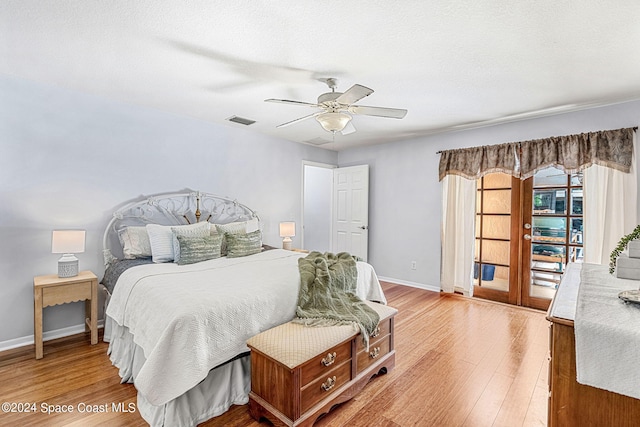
243 244
197 249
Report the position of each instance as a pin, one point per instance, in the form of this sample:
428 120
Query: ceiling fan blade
394 113
290 102
348 129
298 120
354 94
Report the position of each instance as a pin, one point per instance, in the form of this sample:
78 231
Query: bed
177 327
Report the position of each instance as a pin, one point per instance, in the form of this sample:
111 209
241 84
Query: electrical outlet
413 265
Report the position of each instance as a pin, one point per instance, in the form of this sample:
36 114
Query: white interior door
350 222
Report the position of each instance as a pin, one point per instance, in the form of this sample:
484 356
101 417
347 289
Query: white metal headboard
179 208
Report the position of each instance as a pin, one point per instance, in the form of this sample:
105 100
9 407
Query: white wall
404 220
69 159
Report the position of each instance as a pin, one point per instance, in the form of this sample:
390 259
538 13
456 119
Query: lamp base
68 266
286 243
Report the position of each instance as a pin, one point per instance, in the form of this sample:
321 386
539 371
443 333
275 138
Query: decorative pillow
232 227
161 239
197 249
135 242
239 245
199 229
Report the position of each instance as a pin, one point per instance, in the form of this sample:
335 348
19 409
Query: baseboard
46 336
431 288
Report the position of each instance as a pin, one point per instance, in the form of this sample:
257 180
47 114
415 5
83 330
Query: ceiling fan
337 108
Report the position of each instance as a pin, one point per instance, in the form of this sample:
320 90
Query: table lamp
287 231
68 243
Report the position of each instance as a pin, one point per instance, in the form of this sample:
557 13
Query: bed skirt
228 384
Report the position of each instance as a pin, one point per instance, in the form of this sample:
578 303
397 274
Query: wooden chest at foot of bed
299 373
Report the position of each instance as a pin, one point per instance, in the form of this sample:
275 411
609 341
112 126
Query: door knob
364 227
527 237
527 226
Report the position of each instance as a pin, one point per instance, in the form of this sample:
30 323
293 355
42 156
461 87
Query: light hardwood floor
459 362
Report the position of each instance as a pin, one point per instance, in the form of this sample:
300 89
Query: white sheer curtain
610 200
458 234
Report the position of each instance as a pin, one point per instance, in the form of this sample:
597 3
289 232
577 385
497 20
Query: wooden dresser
572 403
298 372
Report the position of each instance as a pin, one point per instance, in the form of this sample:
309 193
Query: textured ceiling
452 65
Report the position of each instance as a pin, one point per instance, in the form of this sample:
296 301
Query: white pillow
161 239
135 242
200 229
253 225
241 227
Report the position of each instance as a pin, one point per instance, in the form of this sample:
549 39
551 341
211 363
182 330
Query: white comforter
189 319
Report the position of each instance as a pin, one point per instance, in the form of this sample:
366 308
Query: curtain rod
635 128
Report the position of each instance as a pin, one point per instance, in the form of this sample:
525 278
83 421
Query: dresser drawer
325 385
320 365
377 349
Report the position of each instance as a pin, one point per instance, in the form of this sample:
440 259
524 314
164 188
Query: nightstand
303 251
53 290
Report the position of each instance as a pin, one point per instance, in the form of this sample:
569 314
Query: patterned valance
572 153
474 162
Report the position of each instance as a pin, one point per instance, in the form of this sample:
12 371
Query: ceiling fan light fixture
333 122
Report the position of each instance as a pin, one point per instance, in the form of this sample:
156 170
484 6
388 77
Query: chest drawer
377 349
325 385
322 364
384 328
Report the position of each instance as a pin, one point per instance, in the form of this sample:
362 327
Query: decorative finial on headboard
197 213
198 207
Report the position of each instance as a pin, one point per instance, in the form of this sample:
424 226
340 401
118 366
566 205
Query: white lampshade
333 122
287 231
67 242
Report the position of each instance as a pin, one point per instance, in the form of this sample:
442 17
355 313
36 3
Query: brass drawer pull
329 383
329 359
376 332
375 353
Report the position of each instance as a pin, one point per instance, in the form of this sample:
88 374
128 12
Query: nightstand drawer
66 293
320 365
325 385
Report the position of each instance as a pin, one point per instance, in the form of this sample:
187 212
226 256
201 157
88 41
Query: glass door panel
497 202
497 180
549 229
496 226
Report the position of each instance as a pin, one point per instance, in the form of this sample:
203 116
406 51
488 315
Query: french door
526 232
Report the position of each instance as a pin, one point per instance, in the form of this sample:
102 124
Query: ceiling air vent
241 120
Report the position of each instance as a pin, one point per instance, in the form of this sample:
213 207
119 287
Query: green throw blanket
328 293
